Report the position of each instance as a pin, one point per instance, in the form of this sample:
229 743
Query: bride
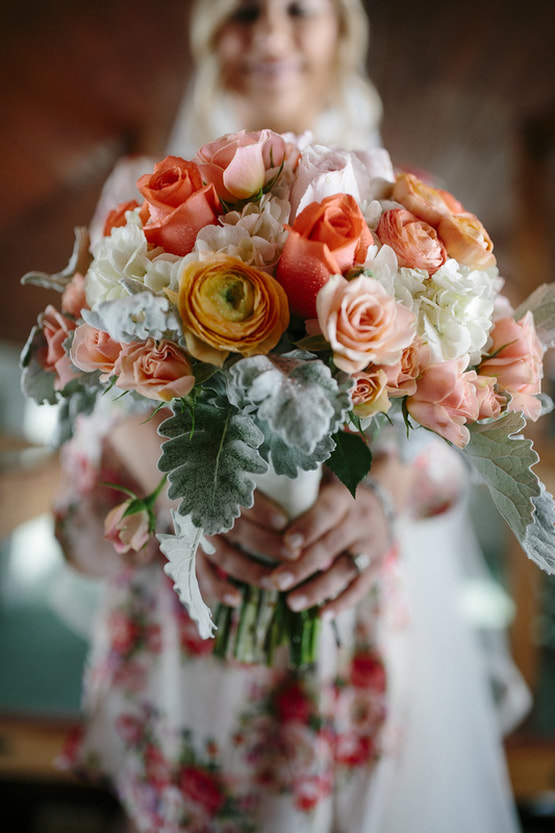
395 729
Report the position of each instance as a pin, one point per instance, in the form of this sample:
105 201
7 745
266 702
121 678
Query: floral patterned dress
192 743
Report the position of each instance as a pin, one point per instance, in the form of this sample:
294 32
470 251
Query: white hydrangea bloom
124 257
455 310
256 234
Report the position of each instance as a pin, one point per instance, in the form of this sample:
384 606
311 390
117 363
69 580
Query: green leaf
504 459
314 344
180 550
539 540
208 468
351 460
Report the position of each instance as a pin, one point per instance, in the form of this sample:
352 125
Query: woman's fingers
254 538
213 584
352 594
236 564
333 584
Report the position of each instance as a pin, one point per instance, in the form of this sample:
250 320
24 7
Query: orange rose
428 203
414 241
74 297
229 307
116 217
327 238
157 371
179 205
466 240
517 363
94 349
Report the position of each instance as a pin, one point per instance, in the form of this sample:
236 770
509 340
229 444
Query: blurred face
278 57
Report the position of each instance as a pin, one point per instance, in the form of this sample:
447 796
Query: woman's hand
314 554
327 537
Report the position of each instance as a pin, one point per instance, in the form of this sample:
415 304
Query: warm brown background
464 84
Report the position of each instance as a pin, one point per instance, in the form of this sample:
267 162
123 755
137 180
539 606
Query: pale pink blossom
56 328
445 400
157 371
414 241
94 349
517 363
369 395
127 533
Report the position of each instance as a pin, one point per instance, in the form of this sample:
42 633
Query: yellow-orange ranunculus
229 307
466 239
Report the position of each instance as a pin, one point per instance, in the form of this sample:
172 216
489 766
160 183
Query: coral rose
53 356
229 307
127 532
327 238
157 371
466 240
74 297
369 395
236 164
179 204
363 323
94 349
445 400
414 241
517 363
426 202
116 217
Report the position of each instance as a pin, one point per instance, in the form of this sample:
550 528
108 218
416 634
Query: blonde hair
352 119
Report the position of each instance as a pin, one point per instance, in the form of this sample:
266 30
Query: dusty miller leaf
208 457
504 460
180 550
542 305
288 460
539 540
299 400
78 262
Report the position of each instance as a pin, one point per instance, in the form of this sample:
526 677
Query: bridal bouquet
284 300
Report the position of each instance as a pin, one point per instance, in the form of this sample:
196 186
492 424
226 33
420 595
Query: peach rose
236 164
327 238
56 327
490 403
402 376
369 395
229 307
363 323
74 297
445 400
414 241
428 203
157 371
127 532
466 240
517 363
179 204
94 349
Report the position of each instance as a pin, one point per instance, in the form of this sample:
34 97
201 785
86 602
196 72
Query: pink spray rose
94 349
402 376
74 298
363 323
445 400
127 532
490 403
237 164
414 241
55 328
517 363
157 371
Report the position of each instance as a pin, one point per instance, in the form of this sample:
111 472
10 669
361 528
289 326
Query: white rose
323 172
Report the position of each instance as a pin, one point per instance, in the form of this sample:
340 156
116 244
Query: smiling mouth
272 71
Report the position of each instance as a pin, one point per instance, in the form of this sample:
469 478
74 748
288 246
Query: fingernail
289 554
231 599
297 602
266 583
294 541
284 580
278 521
